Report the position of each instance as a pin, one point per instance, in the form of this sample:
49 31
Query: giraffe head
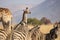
27 11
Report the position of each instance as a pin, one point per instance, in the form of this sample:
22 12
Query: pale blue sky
15 5
16 2
39 8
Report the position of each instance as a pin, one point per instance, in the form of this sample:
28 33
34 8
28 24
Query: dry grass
46 28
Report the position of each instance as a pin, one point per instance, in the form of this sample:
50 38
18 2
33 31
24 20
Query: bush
33 21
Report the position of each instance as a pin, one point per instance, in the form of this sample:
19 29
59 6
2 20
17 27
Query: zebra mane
34 29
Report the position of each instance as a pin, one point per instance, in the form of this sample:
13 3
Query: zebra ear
11 27
55 25
34 28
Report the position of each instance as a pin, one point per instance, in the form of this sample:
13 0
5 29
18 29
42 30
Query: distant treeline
35 21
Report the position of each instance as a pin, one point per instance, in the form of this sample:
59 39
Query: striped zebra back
20 33
35 33
3 34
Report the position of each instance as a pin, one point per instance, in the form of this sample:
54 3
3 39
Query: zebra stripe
19 35
3 35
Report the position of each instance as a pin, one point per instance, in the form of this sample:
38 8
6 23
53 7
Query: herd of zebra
21 30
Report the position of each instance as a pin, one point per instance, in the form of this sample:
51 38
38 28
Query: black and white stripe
18 35
3 35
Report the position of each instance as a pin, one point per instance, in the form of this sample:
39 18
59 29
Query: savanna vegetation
35 21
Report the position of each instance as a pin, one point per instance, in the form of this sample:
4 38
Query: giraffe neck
24 18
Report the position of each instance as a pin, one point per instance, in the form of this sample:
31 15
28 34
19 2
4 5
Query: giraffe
24 17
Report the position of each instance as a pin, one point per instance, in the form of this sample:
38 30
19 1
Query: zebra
20 33
53 34
23 33
3 34
35 33
5 18
24 17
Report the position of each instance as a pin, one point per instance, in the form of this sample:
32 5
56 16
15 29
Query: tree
33 21
44 20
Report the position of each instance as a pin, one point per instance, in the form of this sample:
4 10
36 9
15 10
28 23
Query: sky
15 5
18 5
39 8
49 9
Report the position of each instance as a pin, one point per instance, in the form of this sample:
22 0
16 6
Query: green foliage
33 21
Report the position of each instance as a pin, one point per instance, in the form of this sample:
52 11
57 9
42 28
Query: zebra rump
3 35
18 35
